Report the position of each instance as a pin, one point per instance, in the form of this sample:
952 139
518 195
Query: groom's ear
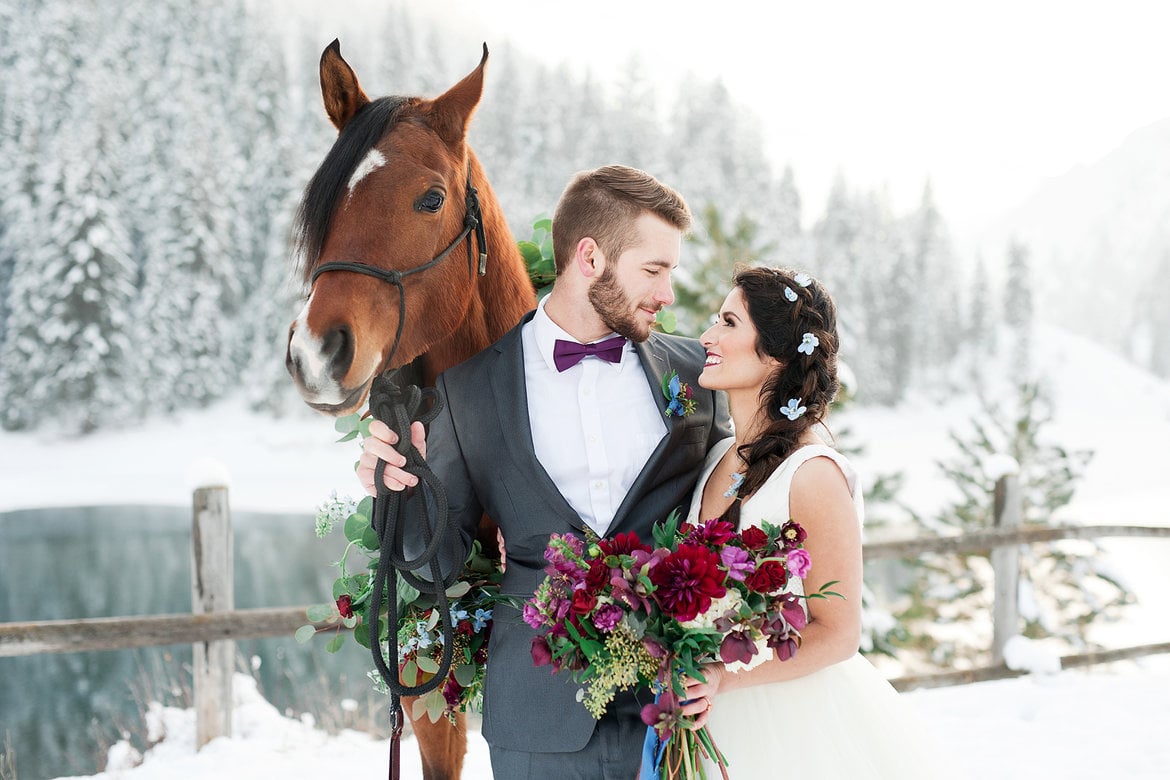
588 258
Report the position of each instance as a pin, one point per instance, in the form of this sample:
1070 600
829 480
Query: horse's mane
326 188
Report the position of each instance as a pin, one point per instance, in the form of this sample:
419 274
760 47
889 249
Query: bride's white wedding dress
844 721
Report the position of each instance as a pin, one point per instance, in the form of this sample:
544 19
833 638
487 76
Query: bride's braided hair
812 378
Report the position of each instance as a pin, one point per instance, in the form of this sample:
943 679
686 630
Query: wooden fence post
212 591
1005 564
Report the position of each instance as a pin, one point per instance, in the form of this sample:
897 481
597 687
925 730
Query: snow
1023 654
1077 724
1070 724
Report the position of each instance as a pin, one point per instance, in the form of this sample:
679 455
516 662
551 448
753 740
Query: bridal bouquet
620 613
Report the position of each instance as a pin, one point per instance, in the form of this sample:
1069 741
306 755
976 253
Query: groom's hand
380 445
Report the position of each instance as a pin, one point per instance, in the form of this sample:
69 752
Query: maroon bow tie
567 354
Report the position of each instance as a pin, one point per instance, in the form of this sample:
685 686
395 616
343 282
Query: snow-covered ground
1108 721
1072 725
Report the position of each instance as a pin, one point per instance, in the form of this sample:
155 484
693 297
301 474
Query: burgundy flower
754 538
345 605
622 544
785 648
541 652
465 628
452 691
480 656
597 576
583 602
768 578
737 646
792 535
793 611
713 532
663 714
687 580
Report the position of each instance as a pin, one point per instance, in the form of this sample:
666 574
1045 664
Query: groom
559 426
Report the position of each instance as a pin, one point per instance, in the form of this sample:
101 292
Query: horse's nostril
337 350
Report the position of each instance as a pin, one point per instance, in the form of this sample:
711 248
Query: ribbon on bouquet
653 751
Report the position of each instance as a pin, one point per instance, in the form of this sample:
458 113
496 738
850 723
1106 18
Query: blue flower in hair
794 409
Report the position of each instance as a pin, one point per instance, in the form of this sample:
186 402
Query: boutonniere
680 399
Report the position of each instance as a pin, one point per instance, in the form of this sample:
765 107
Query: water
61 711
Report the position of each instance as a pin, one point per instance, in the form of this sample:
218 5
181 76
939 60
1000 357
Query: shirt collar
547 332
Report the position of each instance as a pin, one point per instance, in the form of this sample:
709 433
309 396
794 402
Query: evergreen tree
1156 302
69 342
708 277
1018 311
1065 587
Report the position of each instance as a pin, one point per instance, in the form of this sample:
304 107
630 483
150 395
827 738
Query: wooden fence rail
214 625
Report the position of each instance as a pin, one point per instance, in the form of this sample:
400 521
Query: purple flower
738 562
799 563
532 616
663 714
737 646
793 611
607 616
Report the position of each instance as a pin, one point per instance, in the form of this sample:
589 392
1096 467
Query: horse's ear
451 111
340 89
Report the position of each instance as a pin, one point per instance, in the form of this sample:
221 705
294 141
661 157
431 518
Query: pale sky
985 98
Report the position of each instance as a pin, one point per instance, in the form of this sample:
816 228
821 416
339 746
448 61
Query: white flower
790 294
803 279
727 603
794 409
808 344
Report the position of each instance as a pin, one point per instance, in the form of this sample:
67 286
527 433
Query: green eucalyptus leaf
335 643
428 664
304 634
436 704
346 424
350 622
465 674
419 708
458 588
369 539
355 527
410 673
365 507
319 613
362 637
544 223
347 437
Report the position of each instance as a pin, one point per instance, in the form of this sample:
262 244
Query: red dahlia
687 580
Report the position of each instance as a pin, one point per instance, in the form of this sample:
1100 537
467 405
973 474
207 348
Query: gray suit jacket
480 447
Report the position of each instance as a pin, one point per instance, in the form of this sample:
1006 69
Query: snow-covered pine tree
1156 302
68 348
1064 587
1018 310
981 330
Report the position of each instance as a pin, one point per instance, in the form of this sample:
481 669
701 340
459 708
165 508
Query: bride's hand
700 696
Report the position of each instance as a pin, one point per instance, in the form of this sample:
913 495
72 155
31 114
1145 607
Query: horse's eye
431 202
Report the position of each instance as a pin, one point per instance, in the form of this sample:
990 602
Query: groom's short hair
603 204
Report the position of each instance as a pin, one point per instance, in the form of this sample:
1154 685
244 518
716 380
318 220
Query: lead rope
398 408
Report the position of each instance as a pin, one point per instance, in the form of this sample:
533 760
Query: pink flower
738 563
799 563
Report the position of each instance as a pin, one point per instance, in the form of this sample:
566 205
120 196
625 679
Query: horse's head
390 197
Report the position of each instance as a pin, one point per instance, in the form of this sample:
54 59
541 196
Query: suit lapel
506 375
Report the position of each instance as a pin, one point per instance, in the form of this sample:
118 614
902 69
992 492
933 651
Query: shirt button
593 438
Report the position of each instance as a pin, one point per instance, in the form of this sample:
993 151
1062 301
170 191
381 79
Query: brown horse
391 196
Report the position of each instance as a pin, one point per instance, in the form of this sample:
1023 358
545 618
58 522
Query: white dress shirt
594 425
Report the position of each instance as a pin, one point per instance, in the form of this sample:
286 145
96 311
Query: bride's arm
820 501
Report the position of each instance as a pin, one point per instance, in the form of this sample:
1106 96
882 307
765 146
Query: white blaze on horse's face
372 162
306 350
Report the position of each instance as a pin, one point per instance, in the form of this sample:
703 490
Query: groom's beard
615 309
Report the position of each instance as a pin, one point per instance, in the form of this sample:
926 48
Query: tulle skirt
844 722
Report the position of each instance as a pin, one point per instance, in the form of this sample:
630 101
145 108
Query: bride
826 712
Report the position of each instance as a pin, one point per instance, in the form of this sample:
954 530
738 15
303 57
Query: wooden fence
214 623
